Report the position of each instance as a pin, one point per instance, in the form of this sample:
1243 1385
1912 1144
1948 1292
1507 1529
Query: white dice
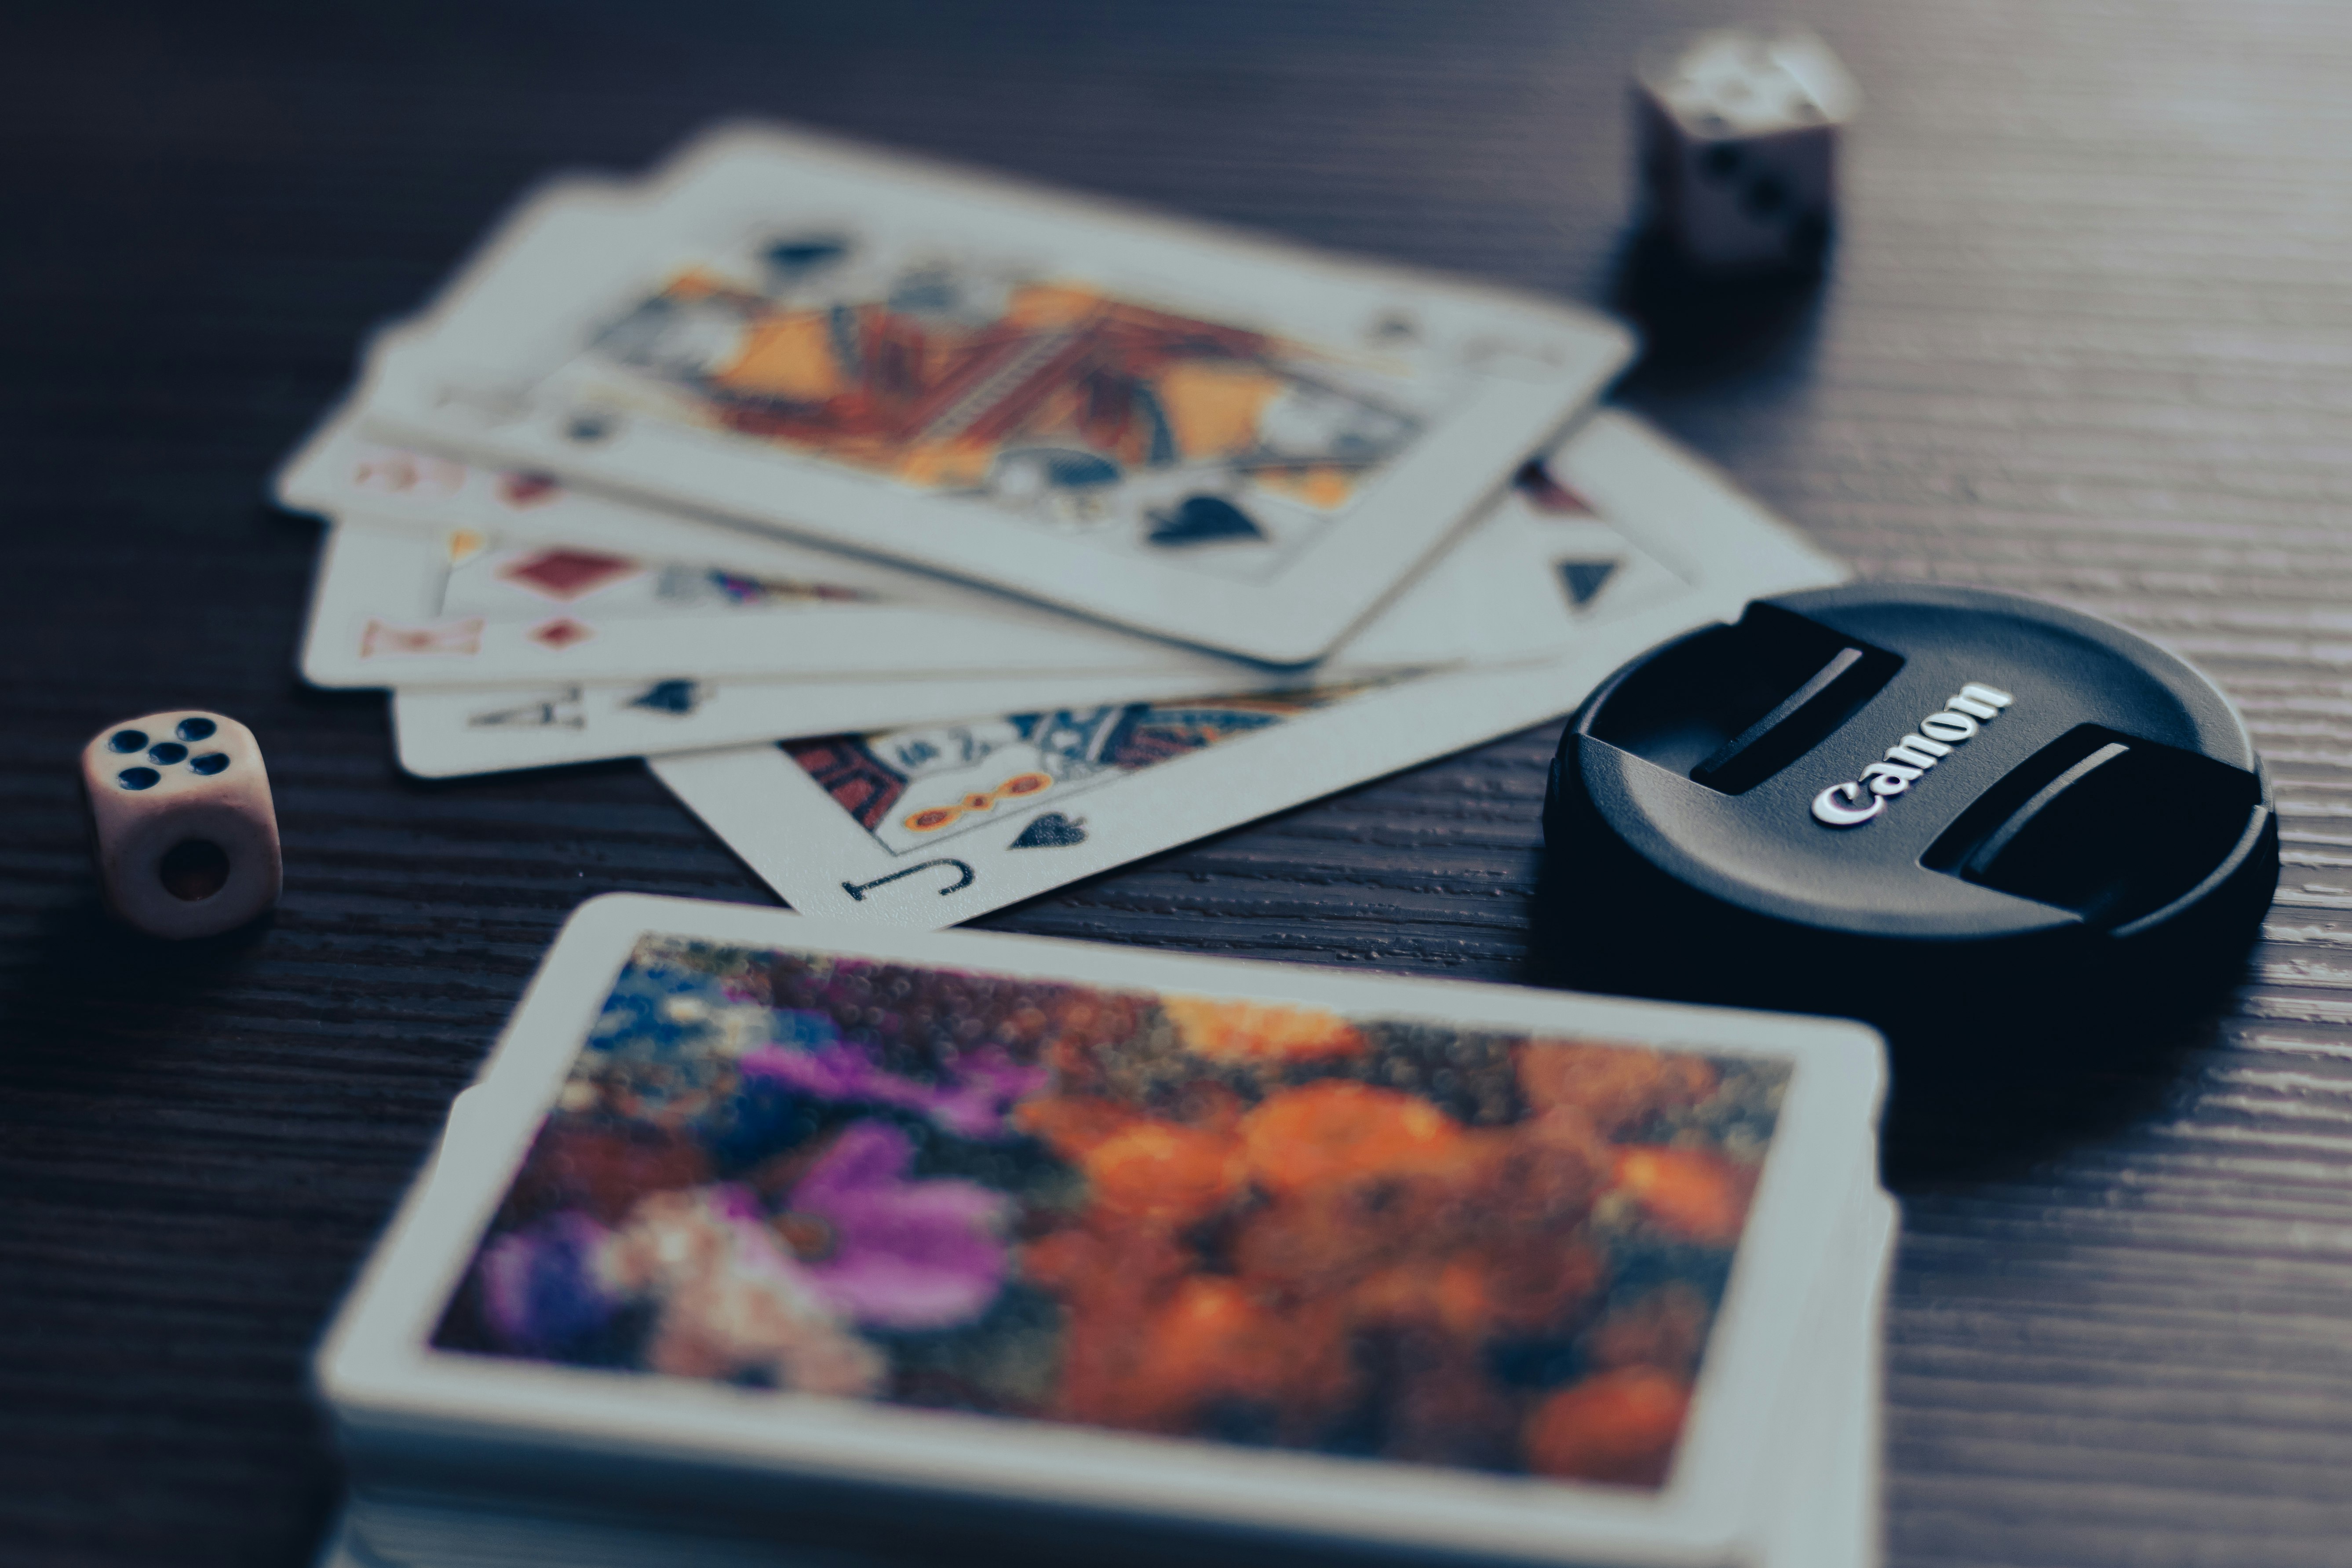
1739 135
186 833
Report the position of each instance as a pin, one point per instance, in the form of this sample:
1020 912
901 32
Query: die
1738 133
186 834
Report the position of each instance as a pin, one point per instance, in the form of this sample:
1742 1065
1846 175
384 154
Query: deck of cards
761 1233
943 540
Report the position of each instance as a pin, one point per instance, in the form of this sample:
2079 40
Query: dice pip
186 833
1738 133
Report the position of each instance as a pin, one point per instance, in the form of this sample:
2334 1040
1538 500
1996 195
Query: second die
1740 146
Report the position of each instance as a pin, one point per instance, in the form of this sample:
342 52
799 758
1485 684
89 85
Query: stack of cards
945 540
766 1234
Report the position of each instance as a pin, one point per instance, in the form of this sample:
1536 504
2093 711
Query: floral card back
1257 1217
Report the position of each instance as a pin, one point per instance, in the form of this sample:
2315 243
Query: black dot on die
138 778
126 740
1765 197
1718 163
209 763
166 753
196 729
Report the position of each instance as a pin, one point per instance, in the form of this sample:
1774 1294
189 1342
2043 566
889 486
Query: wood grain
2089 334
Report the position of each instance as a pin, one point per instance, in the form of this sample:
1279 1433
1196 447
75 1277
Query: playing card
443 573
932 825
393 608
1525 581
446 732
959 1226
1219 439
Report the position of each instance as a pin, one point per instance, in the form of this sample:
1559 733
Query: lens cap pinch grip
1947 811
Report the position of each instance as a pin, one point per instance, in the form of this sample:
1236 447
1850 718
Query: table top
2089 334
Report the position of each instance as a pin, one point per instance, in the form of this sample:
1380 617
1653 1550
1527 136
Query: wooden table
2089 334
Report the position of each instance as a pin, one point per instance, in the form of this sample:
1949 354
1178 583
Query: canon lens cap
1934 808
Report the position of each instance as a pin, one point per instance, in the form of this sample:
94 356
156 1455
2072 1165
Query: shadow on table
1697 327
82 980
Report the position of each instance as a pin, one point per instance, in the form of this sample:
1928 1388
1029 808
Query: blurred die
186 835
1738 133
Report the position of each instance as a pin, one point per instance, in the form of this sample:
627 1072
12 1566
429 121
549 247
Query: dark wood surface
2089 335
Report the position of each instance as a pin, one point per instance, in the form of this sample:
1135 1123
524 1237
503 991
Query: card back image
936 1207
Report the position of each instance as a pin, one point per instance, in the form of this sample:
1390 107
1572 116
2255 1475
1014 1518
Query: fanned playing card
439 572
930 825
1222 440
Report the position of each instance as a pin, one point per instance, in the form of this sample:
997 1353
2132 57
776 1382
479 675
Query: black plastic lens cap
1935 808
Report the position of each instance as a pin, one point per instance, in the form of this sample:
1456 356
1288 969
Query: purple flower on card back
890 1251
973 1096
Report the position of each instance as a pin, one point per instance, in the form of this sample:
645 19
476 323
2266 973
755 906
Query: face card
932 825
1378 1261
1225 441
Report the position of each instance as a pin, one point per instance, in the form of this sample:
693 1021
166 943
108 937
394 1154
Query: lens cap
1935 808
